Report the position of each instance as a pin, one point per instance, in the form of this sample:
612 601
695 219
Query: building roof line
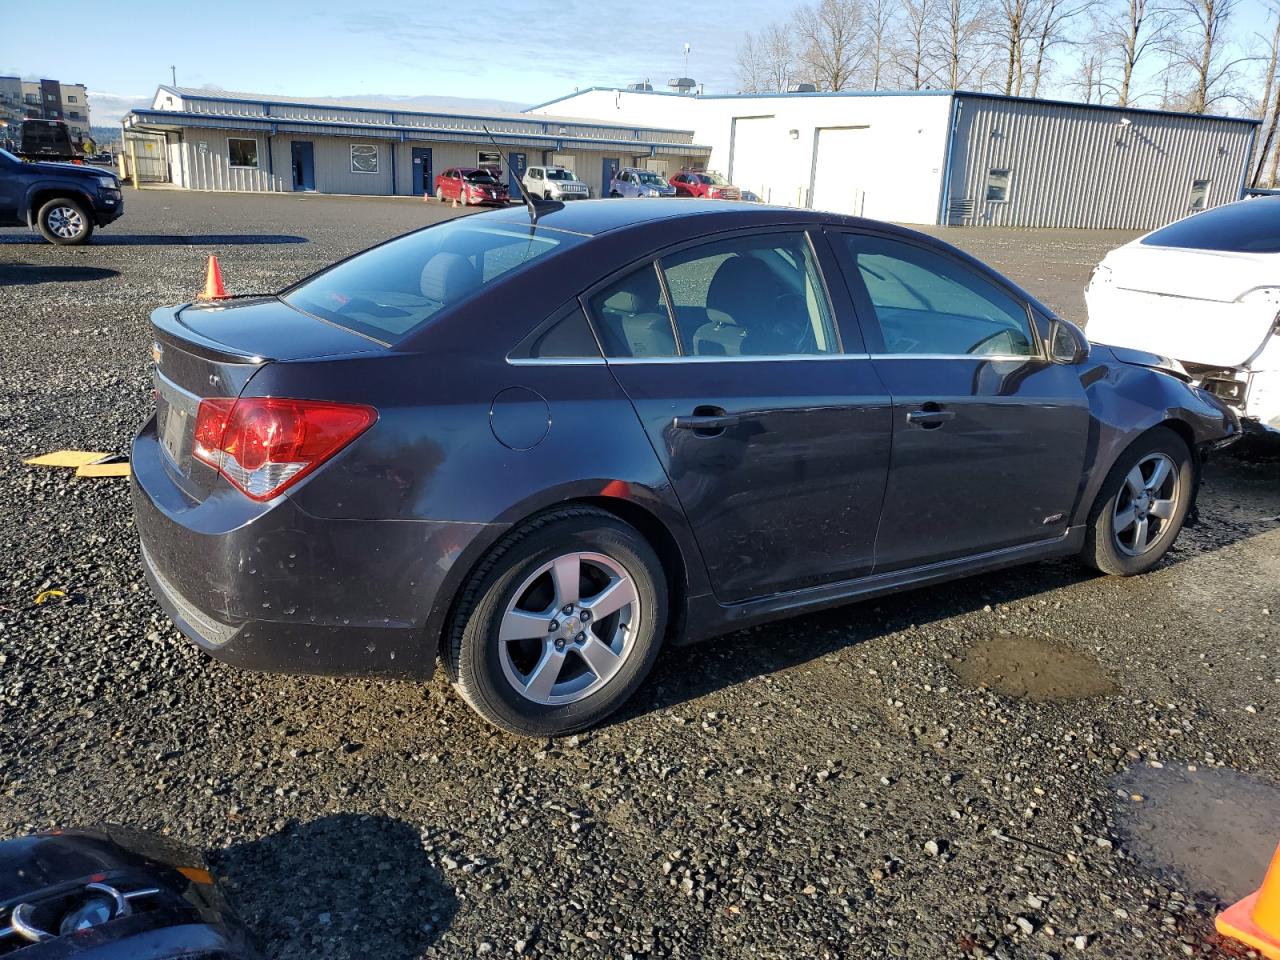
190 93
232 121
964 94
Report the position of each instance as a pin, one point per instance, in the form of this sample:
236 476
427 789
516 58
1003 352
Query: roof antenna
530 204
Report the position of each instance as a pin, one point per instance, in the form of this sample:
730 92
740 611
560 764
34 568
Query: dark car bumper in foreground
107 209
271 587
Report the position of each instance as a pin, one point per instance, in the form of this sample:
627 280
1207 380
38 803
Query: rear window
393 289
1250 226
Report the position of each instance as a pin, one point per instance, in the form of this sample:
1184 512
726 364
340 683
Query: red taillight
264 445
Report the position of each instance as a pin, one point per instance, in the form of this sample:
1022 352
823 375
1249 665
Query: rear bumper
271 587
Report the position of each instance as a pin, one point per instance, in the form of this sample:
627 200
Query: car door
766 415
989 436
10 188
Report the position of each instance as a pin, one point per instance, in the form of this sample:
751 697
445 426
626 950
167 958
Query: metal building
941 156
244 142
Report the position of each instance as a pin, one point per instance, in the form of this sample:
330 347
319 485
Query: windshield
560 175
649 178
395 288
713 178
478 176
1249 226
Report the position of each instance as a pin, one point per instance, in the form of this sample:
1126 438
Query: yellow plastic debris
103 470
66 458
44 595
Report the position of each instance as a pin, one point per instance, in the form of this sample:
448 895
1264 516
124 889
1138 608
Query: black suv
64 201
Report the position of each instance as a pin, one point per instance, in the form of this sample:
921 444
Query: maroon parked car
470 185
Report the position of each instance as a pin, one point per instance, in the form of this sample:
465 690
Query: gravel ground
1028 764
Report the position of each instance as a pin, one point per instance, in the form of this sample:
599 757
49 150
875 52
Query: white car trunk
1197 306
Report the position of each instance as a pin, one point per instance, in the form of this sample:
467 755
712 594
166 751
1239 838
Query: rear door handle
707 421
930 416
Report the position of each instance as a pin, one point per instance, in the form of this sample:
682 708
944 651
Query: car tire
615 194
1138 515
439 194
65 222
558 681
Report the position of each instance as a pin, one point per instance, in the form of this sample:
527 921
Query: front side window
753 296
364 158
998 186
1199 194
927 303
242 153
398 287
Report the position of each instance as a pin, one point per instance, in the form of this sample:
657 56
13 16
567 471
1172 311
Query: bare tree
881 17
1013 28
1267 106
1132 31
961 26
1201 50
1090 83
1051 21
766 61
914 52
831 48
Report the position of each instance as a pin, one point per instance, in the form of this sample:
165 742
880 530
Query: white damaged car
1204 291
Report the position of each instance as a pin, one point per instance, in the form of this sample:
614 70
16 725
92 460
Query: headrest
448 278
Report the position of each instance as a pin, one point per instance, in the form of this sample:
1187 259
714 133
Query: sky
518 52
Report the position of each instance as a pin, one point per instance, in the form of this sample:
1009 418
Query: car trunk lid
205 351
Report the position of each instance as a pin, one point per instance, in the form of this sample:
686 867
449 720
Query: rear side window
929 304
393 289
632 317
1249 226
750 296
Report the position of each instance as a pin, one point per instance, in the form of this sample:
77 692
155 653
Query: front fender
76 191
1126 400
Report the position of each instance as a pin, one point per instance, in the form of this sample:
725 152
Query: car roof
594 217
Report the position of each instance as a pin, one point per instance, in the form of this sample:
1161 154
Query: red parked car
711 186
470 185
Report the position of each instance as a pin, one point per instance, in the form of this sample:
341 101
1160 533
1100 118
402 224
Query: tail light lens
263 445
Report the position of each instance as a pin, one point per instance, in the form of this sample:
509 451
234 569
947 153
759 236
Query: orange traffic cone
1255 920
213 288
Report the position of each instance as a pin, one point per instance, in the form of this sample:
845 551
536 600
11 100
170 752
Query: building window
364 158
1199 194
242 153
997 186
71 98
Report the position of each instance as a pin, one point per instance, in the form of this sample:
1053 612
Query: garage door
843 165
750 158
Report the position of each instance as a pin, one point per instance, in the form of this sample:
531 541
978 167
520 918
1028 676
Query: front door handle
707 421
930 416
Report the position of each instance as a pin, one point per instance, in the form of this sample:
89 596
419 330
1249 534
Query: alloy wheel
1146 504
569 628
65 222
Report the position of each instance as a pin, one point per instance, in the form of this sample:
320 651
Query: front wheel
64 222
1141 506
440 194
560 624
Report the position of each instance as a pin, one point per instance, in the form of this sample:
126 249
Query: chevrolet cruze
533 451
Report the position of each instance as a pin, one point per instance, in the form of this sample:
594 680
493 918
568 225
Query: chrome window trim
555 361
774 358
956 356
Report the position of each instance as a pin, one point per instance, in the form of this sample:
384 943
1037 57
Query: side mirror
1067 342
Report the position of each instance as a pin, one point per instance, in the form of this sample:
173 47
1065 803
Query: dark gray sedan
534 451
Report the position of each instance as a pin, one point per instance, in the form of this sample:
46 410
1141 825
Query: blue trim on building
227 121
895 93
266 104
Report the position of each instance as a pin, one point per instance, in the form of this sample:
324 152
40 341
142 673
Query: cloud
106 109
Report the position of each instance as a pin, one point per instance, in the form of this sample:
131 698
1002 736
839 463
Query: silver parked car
554 183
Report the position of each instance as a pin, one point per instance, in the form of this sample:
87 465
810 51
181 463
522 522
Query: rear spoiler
170 329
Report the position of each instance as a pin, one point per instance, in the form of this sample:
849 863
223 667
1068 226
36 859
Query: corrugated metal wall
1083 167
